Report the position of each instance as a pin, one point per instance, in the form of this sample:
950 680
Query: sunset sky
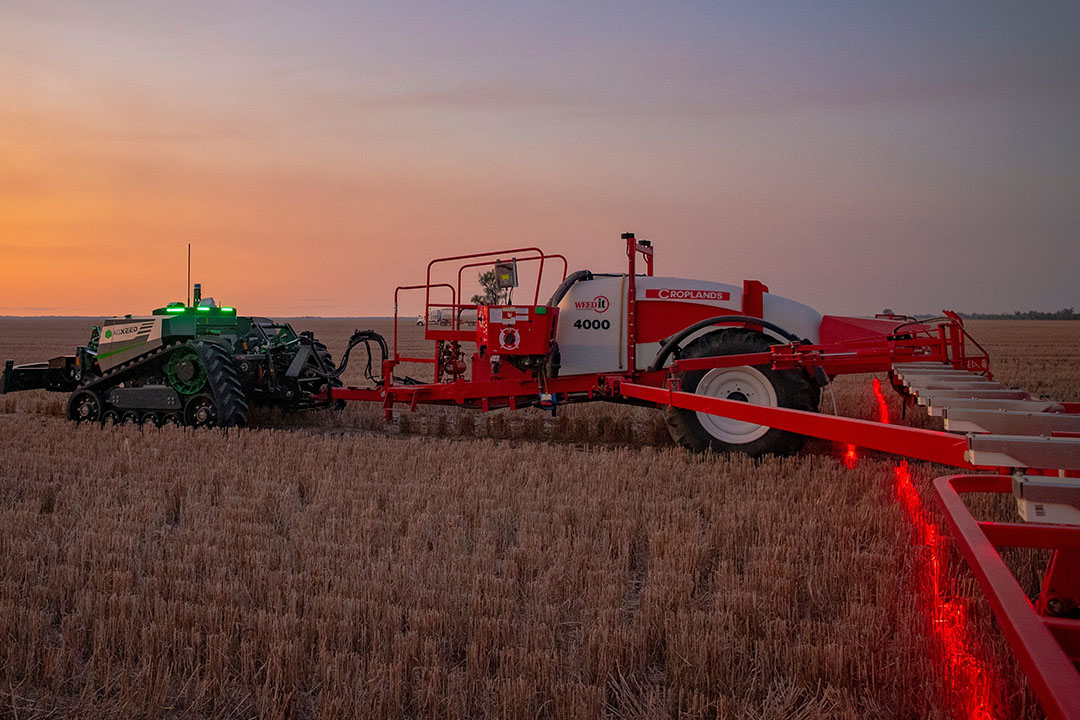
852 156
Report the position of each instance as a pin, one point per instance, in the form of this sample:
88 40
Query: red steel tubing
1033 638
940 447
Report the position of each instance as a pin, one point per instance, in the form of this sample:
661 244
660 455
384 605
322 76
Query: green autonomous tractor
199 365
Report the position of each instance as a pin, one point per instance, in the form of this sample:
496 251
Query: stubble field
457 564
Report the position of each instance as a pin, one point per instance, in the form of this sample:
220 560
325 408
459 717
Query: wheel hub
741 384
201 411
83 407
186 370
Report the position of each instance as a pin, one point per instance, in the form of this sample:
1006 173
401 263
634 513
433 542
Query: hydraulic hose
916 321
672 342
366 337
565 285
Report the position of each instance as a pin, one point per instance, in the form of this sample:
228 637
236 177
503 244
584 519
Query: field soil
507 564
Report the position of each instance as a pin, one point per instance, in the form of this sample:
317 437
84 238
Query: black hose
366 337
564 287
672 342
916 321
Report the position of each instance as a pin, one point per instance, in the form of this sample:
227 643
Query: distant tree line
1063 314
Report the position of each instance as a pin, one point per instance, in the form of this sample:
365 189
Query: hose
366 337
916 321
565 285
672 342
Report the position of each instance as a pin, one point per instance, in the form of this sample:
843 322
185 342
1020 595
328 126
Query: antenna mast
188 288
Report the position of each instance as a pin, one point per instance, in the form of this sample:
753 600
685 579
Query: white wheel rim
738 383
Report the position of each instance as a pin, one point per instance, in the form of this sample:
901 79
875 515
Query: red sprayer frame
943 342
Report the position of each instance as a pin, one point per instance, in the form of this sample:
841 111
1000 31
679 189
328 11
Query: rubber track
121 372
224 383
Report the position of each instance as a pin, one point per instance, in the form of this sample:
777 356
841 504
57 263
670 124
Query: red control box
516 329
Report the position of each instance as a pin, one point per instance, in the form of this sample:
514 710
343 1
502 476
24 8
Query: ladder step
1009 422
1023 451
938 407
928 397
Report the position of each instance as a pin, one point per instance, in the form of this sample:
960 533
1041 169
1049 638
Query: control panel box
516 329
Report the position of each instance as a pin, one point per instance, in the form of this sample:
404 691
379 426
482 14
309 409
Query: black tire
224 385
792 389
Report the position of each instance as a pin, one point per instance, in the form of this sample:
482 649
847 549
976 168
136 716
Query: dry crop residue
392 574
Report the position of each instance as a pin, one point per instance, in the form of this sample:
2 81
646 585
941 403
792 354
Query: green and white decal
124 338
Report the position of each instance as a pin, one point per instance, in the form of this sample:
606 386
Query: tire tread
224 382
793 390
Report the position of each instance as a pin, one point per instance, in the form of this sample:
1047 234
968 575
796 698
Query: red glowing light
850 457
970 683
883 407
